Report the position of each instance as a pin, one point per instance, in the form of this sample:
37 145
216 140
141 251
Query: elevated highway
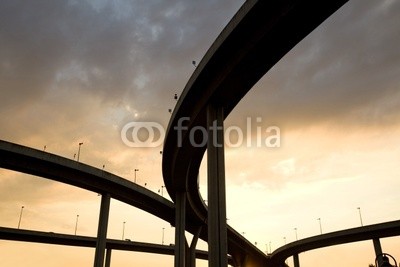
22 235
368 232
40 163
256 38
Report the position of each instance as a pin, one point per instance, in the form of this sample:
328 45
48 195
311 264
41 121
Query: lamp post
79 150
161 190
284 239
295 231
123 230
136 170
162 240
320 225
20 216
76 223
359 212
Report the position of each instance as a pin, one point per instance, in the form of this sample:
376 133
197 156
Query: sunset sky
78 71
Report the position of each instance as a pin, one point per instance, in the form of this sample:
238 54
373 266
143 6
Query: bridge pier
108 258
296 261
217 229
102 231
378 249
180 220
192 248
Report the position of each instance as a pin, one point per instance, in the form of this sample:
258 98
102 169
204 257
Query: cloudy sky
78 71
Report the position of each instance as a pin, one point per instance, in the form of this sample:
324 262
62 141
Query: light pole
320 225
359 212
295 231
76 223
79 150
284 239
20 216
161 190
162 240
123 230
136 170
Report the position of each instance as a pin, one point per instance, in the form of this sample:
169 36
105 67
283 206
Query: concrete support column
192 249
102 231
180 220
108 258
217 229
378 249
296 261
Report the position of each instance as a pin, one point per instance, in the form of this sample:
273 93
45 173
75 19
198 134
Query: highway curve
255 39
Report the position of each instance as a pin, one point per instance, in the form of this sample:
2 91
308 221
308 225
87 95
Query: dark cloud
64 64
346 71
113 49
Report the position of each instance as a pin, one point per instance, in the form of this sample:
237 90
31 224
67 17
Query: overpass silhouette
43 164
256 38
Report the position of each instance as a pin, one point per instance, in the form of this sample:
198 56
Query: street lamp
359 212
123 230
79 150
136 170
161 190
20 216
284 239
295 230
76 223
162 240
320 225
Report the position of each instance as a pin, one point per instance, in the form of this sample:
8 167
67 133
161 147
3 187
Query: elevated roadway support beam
192 248
180 220
378 249
108 258
102 231
296 261
217 229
